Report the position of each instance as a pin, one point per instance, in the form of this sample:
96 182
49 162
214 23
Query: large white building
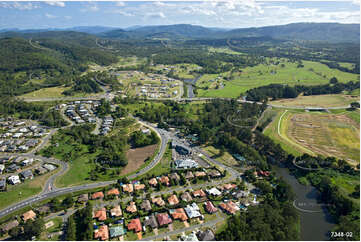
185 164
14 179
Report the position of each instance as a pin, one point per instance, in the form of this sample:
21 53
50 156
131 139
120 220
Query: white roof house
49 167
192 211
17 135
14 179
213 191
2 167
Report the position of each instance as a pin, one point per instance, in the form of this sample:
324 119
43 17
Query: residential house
190 237
27 162
189 175
2 184
113 191
214 173
14 179
173 200
200 174
175 177
83 198
186 197
40 170
135 225
178 213
164 180
207 235
153 182
199 193
163 219
150 221
132 208
229 186
102 233
193 211
100 214
138 187
146 206
210 208
116 231
13 168
49 167
116 211
229 207
29 215
241 194
27 174
159 201
97 195
6 227
128 188
214 192
2 168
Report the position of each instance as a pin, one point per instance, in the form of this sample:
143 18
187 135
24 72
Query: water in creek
316 222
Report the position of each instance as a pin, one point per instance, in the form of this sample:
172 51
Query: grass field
263 74
332 100
55 92
24 190
226 158
317 133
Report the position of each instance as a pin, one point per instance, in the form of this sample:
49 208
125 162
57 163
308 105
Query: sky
208 13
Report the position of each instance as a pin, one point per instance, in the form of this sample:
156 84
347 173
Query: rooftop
102 233
163 219
135 225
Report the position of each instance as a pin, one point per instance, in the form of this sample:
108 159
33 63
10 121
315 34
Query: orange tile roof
173 200
164 180
102 233
139 186
199 193
101 214
159 201
135 225
230 207
128 188
229 186
113 191
153 182
132 208
200 173
98 195
179 214
29 215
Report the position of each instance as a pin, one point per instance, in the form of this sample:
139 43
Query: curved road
50 191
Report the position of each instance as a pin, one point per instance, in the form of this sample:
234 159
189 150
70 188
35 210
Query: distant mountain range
330 32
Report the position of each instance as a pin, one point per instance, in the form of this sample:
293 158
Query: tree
71 229
33 228
68 201
333 80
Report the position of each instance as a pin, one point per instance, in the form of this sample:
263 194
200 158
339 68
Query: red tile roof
210 207
173 200
163 218
199 193
102 233
135 225
101 214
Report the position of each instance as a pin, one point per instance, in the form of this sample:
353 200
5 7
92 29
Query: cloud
90 8
55 3
48 15
155 15
123 13
19 6
120 4
68 17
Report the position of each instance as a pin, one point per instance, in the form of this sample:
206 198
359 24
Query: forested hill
330 32
51 50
